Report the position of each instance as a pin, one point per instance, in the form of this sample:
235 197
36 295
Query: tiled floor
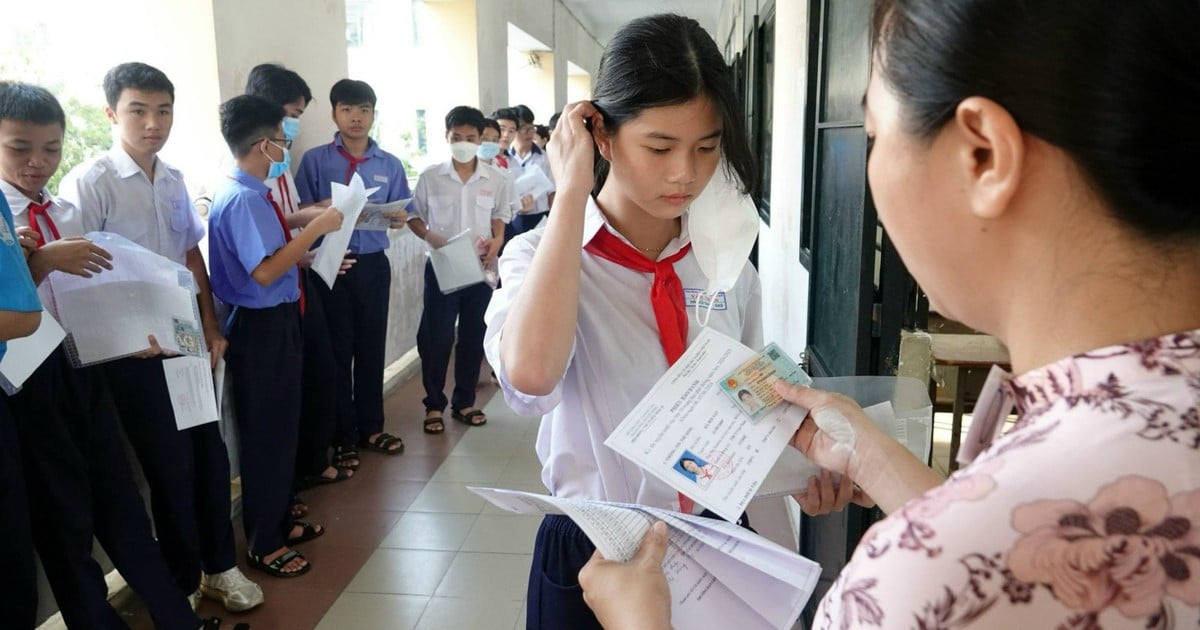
408 546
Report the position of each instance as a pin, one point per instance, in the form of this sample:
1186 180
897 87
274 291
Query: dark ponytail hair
1113 83
669 60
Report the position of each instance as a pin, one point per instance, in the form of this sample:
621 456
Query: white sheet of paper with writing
350 199
456 264
720 575
693 437
190 384
373 215
26 354
110 315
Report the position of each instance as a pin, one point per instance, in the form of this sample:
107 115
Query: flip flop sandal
321 480
383 444
469 417
274 568
342 455
308 532
299 508
435 430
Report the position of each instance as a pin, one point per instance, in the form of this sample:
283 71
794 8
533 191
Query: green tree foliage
88 135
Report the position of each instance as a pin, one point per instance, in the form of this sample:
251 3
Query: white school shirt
448 206
513 202
617 357
66 217
283 191
114 195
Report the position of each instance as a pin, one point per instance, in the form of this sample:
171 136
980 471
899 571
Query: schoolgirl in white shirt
594 303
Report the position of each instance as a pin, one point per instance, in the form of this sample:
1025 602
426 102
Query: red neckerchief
40 210
287 238
666 298
353 162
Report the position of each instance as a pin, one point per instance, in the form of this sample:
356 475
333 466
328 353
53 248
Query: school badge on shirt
696 297
6 234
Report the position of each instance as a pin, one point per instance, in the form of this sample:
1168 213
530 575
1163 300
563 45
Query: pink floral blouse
1085 515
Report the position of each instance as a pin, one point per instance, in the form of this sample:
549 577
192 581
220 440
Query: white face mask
463 152
723 224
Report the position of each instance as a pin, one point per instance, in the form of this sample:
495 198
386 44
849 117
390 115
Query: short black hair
524 114
135 75
351 92
24 102
506 113
464 115
277 84
490 123
543 131
247 118
554 120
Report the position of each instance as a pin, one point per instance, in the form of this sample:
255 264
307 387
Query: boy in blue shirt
254 269
20 315
78 480
357 306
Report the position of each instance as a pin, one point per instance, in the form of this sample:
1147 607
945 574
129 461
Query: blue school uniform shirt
243 230
17 291
323 165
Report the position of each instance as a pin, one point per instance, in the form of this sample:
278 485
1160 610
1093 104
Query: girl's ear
602 138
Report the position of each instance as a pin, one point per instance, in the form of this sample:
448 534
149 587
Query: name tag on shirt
696 297
382 179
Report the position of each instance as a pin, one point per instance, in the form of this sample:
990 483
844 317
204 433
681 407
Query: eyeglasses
507 129
280 142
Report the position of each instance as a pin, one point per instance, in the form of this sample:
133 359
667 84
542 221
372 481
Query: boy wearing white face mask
459 194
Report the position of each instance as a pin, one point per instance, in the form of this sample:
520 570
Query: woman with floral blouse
1033 162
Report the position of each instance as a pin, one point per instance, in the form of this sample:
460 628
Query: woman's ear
601 137
991 155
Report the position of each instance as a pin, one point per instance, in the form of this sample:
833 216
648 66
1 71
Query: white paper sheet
373 215
219 385
190 383
350 199
142 308
456 264
719 574
533 182
686 416
26 354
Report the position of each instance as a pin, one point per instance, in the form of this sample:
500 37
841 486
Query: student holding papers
453 197
131 192
80 483
357 305
999 135
592 308
254 266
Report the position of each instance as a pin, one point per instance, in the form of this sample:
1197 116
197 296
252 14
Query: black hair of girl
1111 83
664 60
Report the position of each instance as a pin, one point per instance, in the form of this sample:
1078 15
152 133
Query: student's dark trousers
266 347
357 311
188 472
318 410
435 340
80 485
522 223
18 579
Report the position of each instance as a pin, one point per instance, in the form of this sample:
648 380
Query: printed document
190 384
26 354
350 199
720 575
456 264
373 215
696 439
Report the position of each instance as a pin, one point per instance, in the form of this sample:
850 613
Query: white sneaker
233 589
194 600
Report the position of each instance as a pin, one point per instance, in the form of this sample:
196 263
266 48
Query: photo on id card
752 384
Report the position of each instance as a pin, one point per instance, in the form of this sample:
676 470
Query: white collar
481 171
17 201
594 219
127 167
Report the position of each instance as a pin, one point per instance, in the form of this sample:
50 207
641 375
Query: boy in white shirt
131 192
461 193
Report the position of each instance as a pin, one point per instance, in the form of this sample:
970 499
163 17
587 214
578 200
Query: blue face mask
291 127
488 150
278 168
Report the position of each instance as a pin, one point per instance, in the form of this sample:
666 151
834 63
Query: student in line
489 153
458 194
357 306
1038 192
254 266
318 409
131 192
79 481
524 154
591 311
20 315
